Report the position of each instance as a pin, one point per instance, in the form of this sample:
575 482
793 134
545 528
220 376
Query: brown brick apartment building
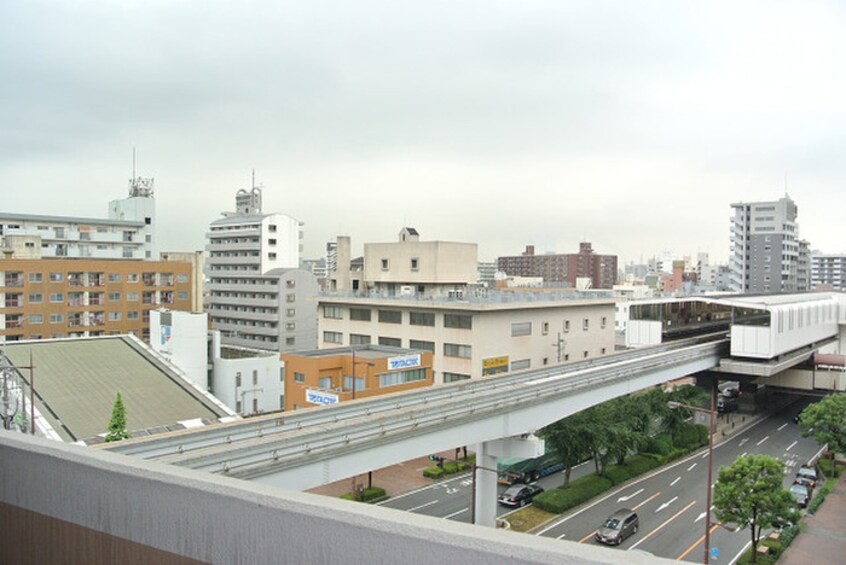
51 298
563 267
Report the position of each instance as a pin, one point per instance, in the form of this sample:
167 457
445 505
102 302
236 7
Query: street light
673 404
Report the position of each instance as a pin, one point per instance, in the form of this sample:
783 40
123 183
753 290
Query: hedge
563 498
690 436
368 494
820 495
659 445
634 466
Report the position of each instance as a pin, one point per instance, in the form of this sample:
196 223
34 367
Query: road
669 501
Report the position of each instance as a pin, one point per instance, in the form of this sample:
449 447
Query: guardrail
265 453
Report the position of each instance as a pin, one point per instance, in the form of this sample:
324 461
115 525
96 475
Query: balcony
15 321
14 279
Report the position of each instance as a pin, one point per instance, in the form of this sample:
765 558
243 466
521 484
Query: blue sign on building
404 362
323 398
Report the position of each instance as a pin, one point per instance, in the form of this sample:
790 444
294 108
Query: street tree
567 437
117 425
824 421
749 493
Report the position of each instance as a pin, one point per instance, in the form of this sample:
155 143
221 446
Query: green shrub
659 445
433 472
690 436
617 474
368 494
676 453
580 490
634 466
788 534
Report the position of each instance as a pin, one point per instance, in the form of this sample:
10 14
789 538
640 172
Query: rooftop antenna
133 161
254 177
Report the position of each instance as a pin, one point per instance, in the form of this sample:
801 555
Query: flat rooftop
76 381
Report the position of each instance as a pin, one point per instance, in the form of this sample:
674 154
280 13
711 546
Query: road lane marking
587 537
781 427
691 467
742 551
666 504
430 503
702 515
629 497
791 445
456 513
744 440
645 501
700 540
667 521
562 536
763 440
674 482
704 455
743 454
421 489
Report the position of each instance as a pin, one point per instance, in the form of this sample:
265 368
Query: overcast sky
629 124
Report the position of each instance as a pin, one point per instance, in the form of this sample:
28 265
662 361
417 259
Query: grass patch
528 518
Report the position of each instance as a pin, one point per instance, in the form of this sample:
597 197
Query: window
290 312
114 316
56 277
238 406
566 326
392 341
545 328
271 256
255 377
290 340
333 312
56 297
402 377
424 345
132 315
114 277
462 321
132 277
360 314
414 264
299 377
114 296
585 324
36 298
290 326
238 379
385 264
586 355
421 319
271 242
255 405
602 323
521 364
182 295
132 297
57 318
271 227
521 328
452 377
36 319
290 283
333 337
359 339
290 298
390 316
457 350
349 384
36 277
603 351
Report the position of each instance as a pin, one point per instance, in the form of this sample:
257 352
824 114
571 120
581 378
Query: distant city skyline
632 126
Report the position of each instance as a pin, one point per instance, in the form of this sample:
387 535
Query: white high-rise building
257 296
766 253
828 271
128 233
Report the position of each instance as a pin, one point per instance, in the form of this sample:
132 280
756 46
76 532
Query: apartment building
257 296
51 298
828 271
328 376
127 233
767 255
563 268
475 336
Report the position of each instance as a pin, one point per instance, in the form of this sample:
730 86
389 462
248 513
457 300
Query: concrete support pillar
484 507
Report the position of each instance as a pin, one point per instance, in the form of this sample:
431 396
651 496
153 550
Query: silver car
618 526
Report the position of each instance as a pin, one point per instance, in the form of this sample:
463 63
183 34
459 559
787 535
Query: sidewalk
824 538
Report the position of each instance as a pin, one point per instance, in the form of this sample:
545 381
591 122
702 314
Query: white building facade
256 294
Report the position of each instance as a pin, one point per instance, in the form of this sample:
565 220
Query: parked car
806 476
620 525
519 495
801 494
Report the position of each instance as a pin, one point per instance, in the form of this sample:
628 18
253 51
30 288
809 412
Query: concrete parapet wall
62 503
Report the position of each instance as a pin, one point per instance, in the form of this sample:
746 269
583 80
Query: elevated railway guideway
308 448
